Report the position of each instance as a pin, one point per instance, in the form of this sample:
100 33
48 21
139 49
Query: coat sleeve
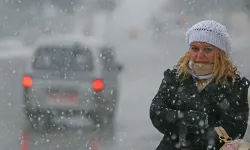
235 119
164 117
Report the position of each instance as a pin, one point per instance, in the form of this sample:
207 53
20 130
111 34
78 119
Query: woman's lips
202 62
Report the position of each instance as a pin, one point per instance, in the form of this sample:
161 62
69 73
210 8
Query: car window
107 57
63 58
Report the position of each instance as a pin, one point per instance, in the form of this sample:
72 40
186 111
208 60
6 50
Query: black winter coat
224 105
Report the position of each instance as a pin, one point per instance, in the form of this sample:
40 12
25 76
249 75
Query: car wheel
103 121
105 124
39 120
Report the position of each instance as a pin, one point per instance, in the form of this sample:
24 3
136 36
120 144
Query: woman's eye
195 49
208 49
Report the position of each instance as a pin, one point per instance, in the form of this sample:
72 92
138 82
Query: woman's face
201 52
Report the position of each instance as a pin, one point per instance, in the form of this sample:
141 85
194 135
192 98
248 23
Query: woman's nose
200 55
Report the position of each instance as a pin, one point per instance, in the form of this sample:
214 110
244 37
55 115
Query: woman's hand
192 128
194 122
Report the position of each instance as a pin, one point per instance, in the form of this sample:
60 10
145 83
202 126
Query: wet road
139 83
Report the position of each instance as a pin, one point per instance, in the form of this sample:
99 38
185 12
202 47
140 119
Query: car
71 76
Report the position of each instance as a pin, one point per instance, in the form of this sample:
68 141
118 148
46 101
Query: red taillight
98 85
27 81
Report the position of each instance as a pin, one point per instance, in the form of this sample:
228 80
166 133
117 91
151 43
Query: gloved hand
193 119
193 126
196 121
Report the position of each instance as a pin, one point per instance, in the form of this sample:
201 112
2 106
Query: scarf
203 72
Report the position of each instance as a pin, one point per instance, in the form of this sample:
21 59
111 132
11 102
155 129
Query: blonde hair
223 67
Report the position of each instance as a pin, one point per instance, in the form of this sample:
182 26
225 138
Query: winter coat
178 101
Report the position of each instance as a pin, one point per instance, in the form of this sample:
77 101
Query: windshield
63 58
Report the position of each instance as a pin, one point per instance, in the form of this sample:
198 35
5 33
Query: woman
201 92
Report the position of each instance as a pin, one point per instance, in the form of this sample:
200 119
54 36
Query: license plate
63 97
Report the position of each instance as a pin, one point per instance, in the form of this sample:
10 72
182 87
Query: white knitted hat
211 32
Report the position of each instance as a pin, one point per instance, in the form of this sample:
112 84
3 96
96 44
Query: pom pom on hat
211 32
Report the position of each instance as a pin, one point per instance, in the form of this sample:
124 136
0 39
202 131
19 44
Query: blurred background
147 36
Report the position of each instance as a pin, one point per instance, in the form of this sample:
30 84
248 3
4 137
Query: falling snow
144 40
